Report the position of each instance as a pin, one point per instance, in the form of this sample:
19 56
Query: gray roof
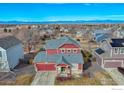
55 43
8 42
59 58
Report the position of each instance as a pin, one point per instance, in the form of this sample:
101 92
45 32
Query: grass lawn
100 78
24 79
105 78
79 81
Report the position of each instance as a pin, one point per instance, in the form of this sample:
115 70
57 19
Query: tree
87 56
5 30
9 30
29 27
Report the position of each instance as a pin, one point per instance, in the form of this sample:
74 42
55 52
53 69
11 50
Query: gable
56 43
69 46
8 42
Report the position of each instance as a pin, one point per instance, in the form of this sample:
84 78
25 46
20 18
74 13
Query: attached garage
113 63
45 67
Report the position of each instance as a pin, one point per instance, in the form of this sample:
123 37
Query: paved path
96 68
44 78
116 75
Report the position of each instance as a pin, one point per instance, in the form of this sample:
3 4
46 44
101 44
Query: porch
63 70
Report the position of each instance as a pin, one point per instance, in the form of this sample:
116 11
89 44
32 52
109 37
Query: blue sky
60 12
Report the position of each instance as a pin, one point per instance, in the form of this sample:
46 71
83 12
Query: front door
63 69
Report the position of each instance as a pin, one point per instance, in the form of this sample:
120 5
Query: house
101 35
79 34
11 51
62 55
110 54
118 34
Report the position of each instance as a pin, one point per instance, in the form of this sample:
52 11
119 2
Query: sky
60 11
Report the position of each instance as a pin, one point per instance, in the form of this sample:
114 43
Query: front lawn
79 81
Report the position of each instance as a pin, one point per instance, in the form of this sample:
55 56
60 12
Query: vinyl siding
14 54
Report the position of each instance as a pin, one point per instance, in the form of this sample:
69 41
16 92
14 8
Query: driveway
44 78
116 75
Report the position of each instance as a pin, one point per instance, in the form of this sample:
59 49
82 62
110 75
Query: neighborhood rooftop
117 42
55 43
8 42
59 58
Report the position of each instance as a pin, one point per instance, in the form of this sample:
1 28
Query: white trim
112 60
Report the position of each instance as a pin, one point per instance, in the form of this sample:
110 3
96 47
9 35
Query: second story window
62 50
69 50
116 50
75 51
122 51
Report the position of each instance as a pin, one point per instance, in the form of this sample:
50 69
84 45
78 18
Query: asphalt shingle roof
59 58
101 37
8 42
55 43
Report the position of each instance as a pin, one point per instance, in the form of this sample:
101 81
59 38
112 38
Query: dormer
62 45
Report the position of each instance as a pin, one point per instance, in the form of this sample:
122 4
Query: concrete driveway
44 78
116 75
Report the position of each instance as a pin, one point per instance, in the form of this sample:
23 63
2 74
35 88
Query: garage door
46 67
112 63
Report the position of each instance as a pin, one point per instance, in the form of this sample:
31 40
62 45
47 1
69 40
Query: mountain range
66 22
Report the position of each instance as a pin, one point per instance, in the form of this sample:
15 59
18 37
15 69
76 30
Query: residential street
44 78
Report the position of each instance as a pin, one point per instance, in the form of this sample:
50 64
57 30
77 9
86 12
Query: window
75 51
116 51
69 50
62 50
0 54
122 51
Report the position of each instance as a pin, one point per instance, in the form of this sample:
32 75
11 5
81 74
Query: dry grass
100 78
104 78
24 79
7 82
79 81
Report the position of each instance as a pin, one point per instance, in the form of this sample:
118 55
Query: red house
62 55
